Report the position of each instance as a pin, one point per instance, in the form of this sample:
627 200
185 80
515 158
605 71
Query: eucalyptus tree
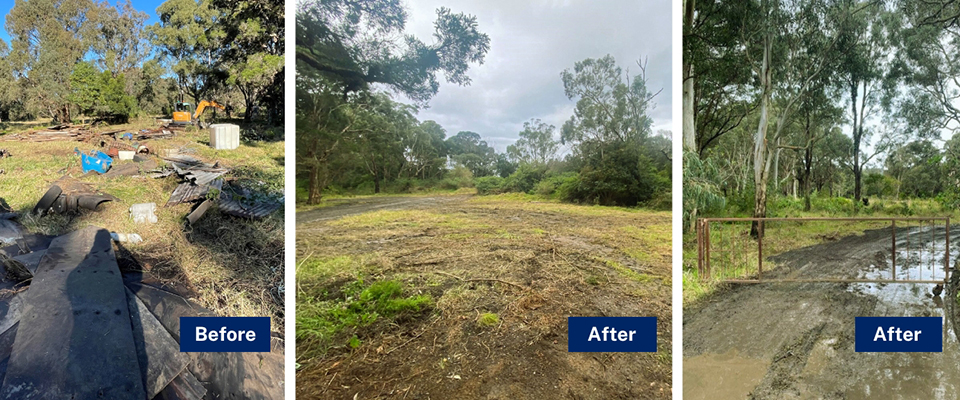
609 130
192 41
471 151
425 152
865 43
536 144
789 45
47 38
927 37
717 93
253 56
362 42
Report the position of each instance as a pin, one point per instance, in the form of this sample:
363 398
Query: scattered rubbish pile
200 182
204 181
83 133
76 326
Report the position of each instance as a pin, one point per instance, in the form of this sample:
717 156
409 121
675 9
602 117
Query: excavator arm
203 105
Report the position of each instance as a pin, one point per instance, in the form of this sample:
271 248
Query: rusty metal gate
732 249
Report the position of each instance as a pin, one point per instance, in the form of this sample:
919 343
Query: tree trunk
314 189
689 127
760 166
857 137
805 184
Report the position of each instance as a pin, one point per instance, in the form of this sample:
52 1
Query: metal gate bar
704 247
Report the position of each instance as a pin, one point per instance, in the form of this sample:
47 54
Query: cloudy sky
530 44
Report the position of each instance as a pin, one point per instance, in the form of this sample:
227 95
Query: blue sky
147 6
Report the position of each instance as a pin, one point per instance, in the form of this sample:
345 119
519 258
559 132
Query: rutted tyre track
796 340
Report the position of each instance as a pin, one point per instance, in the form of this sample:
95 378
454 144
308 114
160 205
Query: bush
551 187
525 178
489 185
461 176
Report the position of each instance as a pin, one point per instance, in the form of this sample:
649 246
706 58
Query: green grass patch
325 324
627 272
487 320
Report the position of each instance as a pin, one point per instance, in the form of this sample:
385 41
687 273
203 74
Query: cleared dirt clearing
500 276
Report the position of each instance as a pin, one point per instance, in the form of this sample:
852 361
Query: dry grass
235 266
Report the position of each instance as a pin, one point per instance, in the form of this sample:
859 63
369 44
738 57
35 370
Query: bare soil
796 340
531 264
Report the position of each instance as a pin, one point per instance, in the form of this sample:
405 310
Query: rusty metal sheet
75 338
188 192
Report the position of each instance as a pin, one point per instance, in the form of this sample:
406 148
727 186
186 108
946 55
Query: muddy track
796 340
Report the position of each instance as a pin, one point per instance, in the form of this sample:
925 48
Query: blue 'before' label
899 334
224 334
612 334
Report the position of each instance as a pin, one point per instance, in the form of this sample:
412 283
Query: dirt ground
532 263
796 340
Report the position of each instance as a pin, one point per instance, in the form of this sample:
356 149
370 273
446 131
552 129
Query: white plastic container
144 212
224 136
125 154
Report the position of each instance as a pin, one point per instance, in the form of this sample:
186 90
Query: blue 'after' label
899 334
612 334
224 334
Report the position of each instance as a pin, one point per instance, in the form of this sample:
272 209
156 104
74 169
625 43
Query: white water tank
224 136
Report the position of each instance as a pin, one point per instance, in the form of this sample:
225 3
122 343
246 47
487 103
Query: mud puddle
811 354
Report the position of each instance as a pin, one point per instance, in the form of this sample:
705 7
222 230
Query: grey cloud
531 44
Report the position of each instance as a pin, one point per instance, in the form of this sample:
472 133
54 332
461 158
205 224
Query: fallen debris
81 133
69 195
95 161
77 295
84 133
126 237
144 212
188 192
199 211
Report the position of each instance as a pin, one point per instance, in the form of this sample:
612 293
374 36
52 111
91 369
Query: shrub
525 178
489 185
551 187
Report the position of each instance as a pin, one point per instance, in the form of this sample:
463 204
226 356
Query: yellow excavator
182 113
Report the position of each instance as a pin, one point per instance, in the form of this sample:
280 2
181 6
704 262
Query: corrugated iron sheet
195 170
189 192
247 210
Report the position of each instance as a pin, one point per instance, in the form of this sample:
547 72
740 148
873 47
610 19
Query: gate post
760 251
699 227
706 247
893 247
946 256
